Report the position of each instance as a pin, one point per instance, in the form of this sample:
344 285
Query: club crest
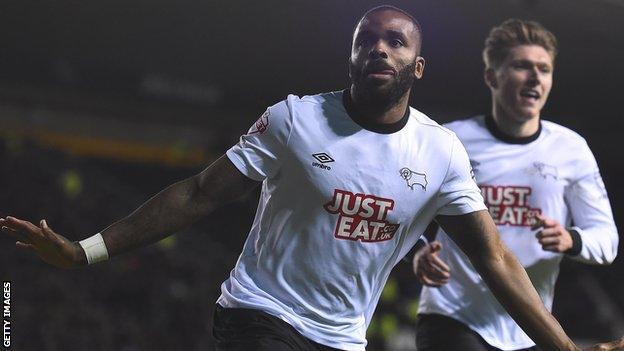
545 170
413 178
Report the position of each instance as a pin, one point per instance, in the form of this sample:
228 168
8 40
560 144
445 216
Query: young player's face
522 82
384 54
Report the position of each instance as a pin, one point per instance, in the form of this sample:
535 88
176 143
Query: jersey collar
490 124
382 128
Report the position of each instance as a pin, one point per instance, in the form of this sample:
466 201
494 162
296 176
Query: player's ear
490 77
420 67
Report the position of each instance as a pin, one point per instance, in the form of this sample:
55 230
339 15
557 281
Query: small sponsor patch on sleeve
261 125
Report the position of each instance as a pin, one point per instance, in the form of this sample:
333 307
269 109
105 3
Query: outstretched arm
178 206
172 209
476 234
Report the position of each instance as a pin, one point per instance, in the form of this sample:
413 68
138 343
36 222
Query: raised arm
476 234
172 209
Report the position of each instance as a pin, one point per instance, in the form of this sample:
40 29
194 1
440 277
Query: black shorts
435 332
241 329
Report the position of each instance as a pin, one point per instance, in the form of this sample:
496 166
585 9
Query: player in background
543 189
349 180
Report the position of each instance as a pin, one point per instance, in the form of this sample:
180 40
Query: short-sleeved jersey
554 174
340 205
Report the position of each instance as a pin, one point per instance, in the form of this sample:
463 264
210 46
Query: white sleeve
459 193
591 213
259 153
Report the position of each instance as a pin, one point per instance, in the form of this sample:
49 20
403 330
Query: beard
374 96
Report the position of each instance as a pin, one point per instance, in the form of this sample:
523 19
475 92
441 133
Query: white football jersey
553 173
340 205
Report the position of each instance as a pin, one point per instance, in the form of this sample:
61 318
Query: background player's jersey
340 206
555 175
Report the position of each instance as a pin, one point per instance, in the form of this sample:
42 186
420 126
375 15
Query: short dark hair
514 32
394 8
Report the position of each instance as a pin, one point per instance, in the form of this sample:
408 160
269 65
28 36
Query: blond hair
514 32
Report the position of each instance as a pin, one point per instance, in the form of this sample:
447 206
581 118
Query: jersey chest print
361 217
509 205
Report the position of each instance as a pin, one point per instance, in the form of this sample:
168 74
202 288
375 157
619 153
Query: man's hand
429 268
553 236
52 248
608 346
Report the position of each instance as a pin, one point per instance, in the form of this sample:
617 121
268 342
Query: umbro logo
322 158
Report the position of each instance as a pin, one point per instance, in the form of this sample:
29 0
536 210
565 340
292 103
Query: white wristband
94 248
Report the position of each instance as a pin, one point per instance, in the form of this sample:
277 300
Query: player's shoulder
294 106
562 133
427 124
464 124
439 139
332 97
468 129
310 105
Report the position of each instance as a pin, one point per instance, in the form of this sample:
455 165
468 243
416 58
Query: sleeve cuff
577 242
238 162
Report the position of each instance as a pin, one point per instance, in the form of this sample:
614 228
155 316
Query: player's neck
515 127
380 113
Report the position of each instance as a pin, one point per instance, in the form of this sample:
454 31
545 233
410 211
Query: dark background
103 103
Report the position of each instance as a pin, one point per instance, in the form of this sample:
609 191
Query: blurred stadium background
103 103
